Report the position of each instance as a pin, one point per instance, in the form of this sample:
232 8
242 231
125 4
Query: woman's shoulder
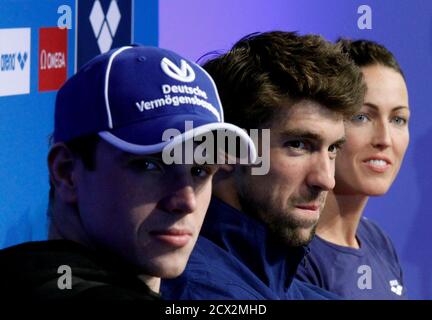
368 226
370 233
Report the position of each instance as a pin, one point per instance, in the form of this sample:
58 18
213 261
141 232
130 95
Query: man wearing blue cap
120 217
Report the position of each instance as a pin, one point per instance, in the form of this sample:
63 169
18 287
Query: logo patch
22 59
15 61
396 287
105 26
185 73
102 25
52 58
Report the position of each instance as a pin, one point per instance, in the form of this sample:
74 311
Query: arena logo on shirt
15 61
395 287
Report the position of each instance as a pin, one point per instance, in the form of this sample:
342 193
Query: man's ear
62 166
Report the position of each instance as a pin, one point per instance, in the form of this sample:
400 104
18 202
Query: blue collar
250 242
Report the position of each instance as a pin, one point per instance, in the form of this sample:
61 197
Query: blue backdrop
26 120
194 27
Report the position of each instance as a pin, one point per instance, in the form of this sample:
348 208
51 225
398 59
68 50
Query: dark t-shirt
42 270
371 272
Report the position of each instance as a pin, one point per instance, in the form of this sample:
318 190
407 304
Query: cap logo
184 74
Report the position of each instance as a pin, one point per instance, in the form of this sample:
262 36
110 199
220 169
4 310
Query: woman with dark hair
350 255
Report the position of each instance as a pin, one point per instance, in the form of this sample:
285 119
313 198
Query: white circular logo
184 74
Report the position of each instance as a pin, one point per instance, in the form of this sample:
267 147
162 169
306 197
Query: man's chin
304 238
297 237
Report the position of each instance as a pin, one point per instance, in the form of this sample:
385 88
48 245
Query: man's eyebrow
339 142
302 134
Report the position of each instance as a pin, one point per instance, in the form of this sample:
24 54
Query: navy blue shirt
371 272
236 258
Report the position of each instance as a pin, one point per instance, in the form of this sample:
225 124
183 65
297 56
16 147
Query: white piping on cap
107 74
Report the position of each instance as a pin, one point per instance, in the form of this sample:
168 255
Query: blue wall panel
26 120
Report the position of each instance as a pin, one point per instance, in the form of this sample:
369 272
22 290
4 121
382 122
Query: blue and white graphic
185 73
14 61
22 59
396 287
102 25
105 26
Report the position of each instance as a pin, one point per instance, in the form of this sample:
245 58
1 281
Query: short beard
288 230
282 225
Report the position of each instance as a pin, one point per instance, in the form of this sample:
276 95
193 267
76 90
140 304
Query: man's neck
340 219
65 224
225 190
75 233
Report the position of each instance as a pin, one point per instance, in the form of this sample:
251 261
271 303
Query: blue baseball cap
131 95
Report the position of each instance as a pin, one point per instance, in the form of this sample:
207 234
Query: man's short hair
264 70
366 53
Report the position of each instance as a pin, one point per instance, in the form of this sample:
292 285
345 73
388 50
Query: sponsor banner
52 58
15 61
